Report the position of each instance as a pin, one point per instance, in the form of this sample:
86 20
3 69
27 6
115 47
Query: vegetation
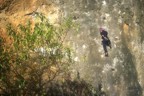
35 57
36 61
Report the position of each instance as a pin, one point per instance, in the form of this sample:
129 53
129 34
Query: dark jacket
104 34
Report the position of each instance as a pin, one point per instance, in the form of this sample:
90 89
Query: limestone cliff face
121 74
19 11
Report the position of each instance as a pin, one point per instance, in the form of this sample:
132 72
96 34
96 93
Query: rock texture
121 74
19 11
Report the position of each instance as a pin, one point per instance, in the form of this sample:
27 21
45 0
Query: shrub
35 57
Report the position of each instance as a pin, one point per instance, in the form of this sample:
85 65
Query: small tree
35 57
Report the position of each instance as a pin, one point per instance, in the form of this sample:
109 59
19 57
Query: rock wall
121 74
19 11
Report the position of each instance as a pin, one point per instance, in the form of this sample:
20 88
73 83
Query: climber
105 40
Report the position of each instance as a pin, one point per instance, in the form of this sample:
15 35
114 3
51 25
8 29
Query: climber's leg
105 48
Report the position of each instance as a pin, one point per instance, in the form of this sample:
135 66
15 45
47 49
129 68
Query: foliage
70 88
35 57
36 61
